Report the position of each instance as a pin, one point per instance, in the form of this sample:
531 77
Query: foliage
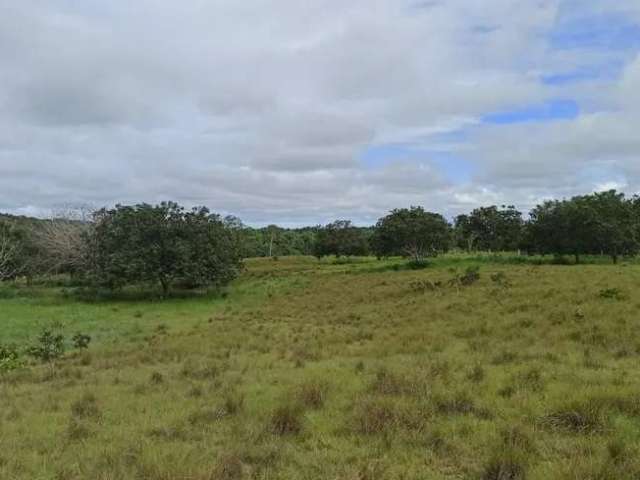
49 346
9 358
81 341
489 229
470 276
600 223
341 238
162 244
412 233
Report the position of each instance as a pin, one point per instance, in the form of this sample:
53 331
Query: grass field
356 370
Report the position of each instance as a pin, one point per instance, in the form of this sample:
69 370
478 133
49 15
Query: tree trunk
577 255
165 286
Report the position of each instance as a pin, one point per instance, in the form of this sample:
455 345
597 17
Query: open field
323 370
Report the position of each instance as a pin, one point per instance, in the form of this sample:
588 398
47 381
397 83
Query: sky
303 112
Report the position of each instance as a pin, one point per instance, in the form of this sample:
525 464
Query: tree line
168 245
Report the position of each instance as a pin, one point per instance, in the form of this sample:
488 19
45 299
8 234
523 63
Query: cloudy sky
299 112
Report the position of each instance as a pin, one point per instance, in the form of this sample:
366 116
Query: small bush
156 378
470 276
81 341
286 420
9 358
49 346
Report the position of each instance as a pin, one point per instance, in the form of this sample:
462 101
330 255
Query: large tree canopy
162 244
490 229
600 223
412 232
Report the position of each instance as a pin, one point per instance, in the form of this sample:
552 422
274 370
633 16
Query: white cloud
264 108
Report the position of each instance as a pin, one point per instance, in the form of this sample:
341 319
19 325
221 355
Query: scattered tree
162 244
412 232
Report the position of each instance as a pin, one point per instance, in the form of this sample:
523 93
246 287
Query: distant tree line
605 223
168 245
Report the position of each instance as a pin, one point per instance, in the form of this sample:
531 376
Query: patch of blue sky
604 72
549 111
610 31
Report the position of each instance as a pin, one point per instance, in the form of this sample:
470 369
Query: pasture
354 370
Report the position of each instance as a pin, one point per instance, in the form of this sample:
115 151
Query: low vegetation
474 367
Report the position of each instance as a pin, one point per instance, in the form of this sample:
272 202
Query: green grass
336 369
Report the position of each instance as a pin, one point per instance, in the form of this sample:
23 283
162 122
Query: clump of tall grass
313 394
287 419
578 417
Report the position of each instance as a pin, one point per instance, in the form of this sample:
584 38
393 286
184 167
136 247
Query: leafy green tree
162 244
412 232
561 228
615 229
340 238
601 223
489 228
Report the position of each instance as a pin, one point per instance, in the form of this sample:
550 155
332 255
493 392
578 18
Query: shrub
81 341
470 276
9 358
49 346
